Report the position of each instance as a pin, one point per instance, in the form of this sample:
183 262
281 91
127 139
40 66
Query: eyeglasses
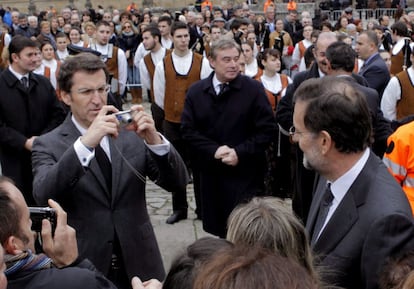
102 90
125 27
293 131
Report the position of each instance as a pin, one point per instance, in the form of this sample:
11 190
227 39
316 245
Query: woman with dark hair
128 40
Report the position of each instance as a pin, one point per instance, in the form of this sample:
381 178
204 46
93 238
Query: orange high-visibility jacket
399 158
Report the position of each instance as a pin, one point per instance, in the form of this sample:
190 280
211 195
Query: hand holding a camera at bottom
63 247
143 125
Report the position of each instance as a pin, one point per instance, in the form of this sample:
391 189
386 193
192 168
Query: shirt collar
18 75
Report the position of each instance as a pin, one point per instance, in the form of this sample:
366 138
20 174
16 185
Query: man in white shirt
398 98
173 76
151 41
164 25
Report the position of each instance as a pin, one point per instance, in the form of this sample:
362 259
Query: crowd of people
253 109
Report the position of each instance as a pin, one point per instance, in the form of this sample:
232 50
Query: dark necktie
105 166
24 81
323 212
223 87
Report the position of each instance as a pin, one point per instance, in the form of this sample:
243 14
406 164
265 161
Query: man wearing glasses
114 58
97 169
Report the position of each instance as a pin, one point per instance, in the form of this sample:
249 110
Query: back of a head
341 56
396 270
185 267
252 267
9 214
270 224
333 106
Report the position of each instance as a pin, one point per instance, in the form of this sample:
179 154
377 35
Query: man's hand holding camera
62 248
107 123
143 125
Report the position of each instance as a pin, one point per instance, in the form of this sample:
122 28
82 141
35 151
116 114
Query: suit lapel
314 208
346 214
69 135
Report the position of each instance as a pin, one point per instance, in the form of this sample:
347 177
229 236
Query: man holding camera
59 267
97 171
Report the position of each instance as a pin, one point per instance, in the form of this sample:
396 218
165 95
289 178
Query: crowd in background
278 54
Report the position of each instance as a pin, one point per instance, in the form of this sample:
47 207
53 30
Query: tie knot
222 87
24 81
328 196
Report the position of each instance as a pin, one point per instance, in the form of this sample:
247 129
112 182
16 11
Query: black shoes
177 216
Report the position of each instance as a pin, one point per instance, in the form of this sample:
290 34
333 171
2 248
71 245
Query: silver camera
124 117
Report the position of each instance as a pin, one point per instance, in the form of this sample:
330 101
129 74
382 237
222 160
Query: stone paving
172 239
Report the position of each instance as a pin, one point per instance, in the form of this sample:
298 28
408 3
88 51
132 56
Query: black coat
240 118
24 113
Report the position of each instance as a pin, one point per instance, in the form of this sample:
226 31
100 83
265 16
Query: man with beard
359 216
304 179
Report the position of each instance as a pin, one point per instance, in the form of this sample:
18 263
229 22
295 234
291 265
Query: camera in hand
124 117
37 214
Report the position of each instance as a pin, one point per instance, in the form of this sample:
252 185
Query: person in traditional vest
277 180
398 97
151 40
400 51
164 25
300 48
173 76
113 57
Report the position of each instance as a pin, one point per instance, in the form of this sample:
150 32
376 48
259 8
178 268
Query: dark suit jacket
95 215
241 118
376 73
24 113
373 222
304 178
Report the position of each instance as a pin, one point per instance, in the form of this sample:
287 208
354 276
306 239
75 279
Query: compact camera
124 117
37 214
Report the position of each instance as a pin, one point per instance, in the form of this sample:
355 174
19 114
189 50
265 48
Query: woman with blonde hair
269 223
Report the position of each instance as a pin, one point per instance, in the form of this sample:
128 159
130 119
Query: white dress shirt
143 70
340 186
392 94
182 65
